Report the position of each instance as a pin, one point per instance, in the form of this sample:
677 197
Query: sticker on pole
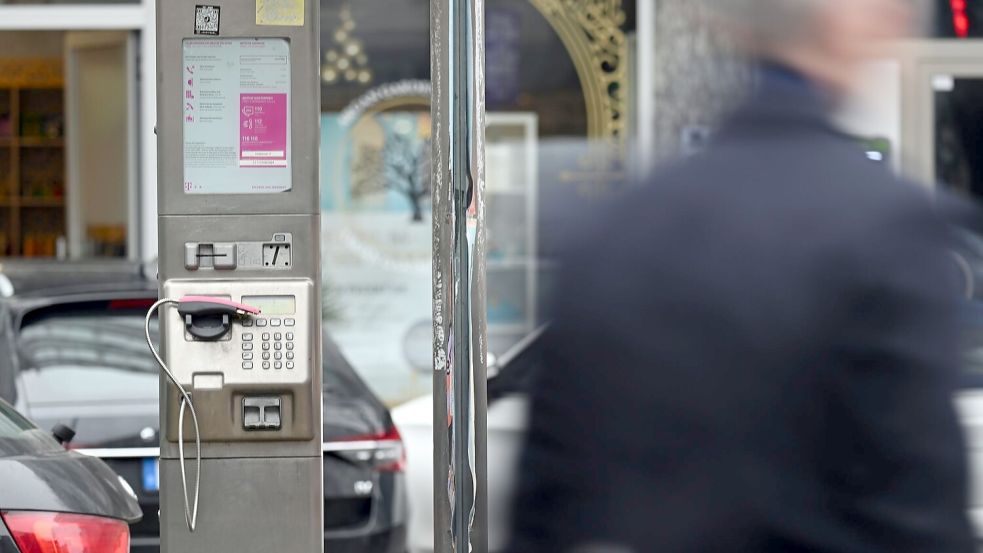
236 99
207 20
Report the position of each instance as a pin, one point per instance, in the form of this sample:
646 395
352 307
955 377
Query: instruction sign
236 98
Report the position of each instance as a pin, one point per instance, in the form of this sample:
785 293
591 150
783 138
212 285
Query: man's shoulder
726 201
813 173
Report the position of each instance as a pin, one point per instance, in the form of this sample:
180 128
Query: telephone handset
208 318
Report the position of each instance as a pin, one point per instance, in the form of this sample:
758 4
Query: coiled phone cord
190 509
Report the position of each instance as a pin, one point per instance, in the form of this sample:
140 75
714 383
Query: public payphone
238 136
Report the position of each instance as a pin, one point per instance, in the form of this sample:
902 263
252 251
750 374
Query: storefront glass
558 90
67 155
63 2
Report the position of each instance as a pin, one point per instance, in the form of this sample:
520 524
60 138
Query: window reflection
557 105
86 358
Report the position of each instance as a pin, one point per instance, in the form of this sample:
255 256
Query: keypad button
266 346
277 345
266 355
247 346
260 322
290 336
247 356
290 345
289 322
247 365
277 365
247 322
278 355
266 364
277 336
266 336
290 364
274 322
290 355
247 336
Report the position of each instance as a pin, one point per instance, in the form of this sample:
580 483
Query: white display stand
511 195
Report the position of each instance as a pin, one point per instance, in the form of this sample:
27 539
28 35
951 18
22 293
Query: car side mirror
63 434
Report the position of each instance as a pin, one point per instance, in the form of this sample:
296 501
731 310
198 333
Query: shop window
64 2
66 144
558 111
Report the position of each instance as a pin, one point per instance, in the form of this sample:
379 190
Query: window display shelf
32 158
27 201
41 142
512 191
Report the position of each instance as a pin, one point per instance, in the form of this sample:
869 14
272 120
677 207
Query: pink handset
240 307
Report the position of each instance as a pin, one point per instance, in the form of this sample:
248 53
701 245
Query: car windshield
18 436
968 260
12 424
338 375
90 354
518 367
973 344
88 367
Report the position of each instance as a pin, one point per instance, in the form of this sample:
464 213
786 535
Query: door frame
74 43
921 61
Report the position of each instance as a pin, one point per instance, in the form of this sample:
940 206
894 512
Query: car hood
64 481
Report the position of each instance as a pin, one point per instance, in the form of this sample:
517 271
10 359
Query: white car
507 410
970 407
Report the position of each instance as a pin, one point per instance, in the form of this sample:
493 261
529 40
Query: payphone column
238 204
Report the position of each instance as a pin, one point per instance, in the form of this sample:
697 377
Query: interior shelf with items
32 158
511 195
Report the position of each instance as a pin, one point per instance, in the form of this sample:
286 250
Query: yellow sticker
280 12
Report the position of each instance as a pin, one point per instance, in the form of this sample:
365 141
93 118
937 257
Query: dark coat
755 351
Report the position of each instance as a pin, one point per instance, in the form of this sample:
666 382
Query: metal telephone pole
460 344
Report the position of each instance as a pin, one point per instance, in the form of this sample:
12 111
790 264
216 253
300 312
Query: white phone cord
190 514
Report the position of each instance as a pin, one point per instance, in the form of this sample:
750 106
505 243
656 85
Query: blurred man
757 351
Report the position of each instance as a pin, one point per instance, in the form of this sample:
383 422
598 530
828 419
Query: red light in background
960 21
131 304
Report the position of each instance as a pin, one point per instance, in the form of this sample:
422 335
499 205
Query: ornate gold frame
591 32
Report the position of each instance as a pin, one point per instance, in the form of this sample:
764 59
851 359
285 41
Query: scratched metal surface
460 344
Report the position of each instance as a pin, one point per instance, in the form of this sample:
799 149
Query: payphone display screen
272 305
236 98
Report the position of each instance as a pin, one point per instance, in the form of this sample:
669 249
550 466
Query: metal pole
460 345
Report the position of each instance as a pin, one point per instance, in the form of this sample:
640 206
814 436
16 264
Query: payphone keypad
276 348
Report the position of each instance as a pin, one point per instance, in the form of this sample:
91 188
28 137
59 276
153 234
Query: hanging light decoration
346 60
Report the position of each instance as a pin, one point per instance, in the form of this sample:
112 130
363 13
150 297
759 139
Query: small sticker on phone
207 20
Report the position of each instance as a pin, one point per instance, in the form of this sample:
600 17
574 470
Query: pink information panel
262 130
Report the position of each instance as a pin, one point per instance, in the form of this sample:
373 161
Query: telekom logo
959 20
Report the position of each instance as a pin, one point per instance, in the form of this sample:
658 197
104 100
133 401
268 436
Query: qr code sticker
206 20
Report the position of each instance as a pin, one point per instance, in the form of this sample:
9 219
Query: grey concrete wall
698 75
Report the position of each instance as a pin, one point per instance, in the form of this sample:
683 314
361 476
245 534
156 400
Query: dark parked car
57 500
74 353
